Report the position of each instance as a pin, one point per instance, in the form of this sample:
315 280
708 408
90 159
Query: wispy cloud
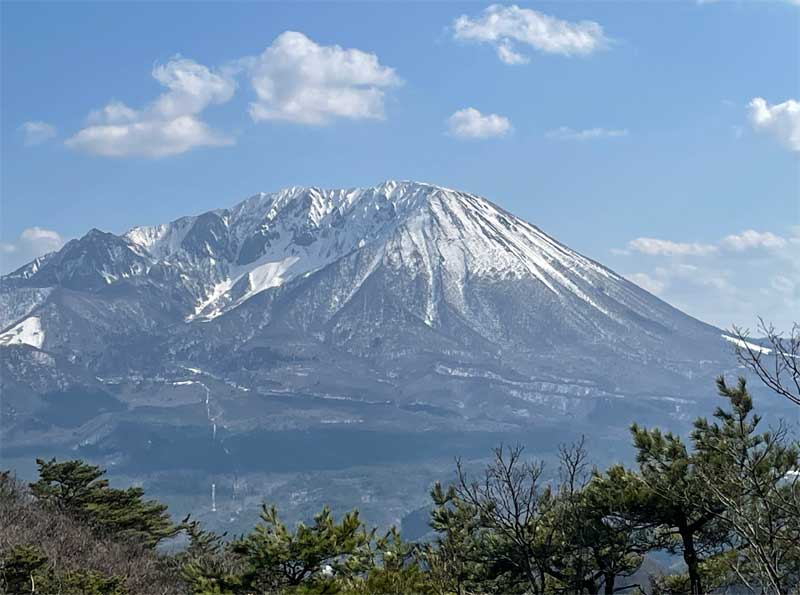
507 28
751 239
730 281
36 132
566 133
657 247
781 120
469 123
31 243
169 125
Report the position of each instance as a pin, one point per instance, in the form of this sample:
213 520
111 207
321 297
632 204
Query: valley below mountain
338 346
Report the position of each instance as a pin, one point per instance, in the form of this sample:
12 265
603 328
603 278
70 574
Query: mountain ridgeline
400 309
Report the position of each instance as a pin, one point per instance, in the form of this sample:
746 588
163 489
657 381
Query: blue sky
630 131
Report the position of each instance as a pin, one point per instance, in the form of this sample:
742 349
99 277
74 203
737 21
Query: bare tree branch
778 366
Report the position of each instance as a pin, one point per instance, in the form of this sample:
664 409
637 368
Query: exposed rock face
406 306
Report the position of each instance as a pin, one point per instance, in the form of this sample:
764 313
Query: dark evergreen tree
26 569
675 498
395 567
754 477
315 558
460 560
19 569
79 489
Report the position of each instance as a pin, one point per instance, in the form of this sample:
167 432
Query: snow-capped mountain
405 305
222 258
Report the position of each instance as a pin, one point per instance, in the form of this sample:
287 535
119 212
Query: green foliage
676 500
323 557
68 486
77 488
25 569
20 568
599 544
717 573
276 557
458 562
753 475
394 567
84 582
511 532
318 558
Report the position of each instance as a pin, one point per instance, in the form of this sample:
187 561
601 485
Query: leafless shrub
777 366
70 546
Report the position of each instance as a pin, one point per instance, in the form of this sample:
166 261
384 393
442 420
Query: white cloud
507 54
750 239
294 79
192 87
507 27
147 138
115 112
662 278
648 282
32 242
470 123
565 133
731 281
656 247
167 126
781 120
37 132
297 80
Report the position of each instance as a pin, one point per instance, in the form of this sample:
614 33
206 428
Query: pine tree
19 568
675 497
592 545
79 489
68 486
26 569
457 560
393 568
615 545
753 475
315 558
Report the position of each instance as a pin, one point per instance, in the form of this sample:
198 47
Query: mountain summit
222 258
402 305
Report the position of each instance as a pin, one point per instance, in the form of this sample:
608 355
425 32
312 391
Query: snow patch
217 291
270 274
27 332
746 345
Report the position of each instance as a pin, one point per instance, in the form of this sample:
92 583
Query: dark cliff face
90 263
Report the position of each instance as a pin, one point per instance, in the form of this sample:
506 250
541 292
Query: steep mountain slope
350 315
404 307
405 278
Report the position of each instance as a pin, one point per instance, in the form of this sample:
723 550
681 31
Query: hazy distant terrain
348 339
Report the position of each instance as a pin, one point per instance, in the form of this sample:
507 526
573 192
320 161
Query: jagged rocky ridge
405 305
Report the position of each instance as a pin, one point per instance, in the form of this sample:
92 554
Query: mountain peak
403 290
269 239
442 238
